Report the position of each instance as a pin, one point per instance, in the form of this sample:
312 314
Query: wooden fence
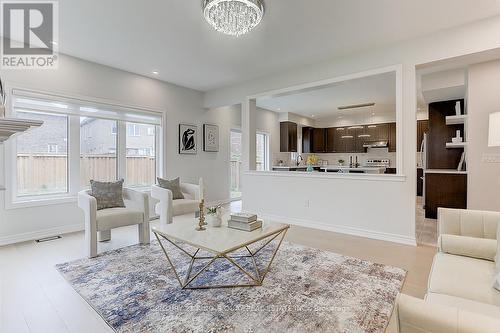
48 173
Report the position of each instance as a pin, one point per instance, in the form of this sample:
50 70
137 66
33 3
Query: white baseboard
394 238
32 235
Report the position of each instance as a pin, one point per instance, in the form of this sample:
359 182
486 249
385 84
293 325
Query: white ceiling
323 102
171 36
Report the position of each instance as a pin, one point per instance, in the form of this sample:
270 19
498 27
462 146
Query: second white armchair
168 207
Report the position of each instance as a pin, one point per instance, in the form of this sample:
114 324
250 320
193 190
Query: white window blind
25 100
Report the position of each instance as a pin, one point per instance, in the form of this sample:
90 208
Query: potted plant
341 162
214 216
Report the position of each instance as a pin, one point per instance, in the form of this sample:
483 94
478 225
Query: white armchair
98 223
167 208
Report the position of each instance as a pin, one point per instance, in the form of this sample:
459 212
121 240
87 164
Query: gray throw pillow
108 194
173 185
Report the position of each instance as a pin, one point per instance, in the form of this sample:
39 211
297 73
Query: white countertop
361 168
447 171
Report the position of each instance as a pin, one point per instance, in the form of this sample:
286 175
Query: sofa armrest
88 204
415 315
466 222
192 190
161 193
480 248
139 200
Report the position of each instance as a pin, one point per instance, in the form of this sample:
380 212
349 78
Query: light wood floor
35 298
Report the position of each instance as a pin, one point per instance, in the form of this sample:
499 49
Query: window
133 130
78 141
98 159
42 155
52 148
235 164
141 156
262 152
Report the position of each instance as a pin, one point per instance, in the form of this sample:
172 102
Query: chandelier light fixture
233 17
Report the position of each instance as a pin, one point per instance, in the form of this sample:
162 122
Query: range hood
376 144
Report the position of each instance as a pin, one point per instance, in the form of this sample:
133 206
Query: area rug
306 290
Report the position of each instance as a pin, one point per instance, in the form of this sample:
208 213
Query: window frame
13 201
267 153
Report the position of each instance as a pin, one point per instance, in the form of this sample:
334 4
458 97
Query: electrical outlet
490 158
306 204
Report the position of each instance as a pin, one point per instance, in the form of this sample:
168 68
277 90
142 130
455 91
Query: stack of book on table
244 221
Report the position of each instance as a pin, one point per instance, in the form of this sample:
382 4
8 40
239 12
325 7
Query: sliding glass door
235 164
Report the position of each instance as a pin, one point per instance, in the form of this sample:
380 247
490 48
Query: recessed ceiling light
53 42
155 72
373 113
279 109
312 115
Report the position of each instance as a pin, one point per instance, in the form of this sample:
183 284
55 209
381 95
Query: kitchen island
334 169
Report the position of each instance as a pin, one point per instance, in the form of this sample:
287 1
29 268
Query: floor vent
47 239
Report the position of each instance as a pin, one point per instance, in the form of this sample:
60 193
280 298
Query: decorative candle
202 189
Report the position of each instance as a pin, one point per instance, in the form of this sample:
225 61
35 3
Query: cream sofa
167 208
460 296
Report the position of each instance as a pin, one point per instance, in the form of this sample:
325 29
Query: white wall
86 79
483 178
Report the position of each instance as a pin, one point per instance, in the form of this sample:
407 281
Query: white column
248 127
122 150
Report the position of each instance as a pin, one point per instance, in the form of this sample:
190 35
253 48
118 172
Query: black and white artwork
210 138
188 135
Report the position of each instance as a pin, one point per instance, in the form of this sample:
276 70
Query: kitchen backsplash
379 153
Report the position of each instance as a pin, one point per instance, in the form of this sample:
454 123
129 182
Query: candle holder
201 219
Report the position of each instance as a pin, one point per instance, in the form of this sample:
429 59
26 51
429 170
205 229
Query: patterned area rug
307 290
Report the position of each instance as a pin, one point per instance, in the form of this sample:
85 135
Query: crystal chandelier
233 17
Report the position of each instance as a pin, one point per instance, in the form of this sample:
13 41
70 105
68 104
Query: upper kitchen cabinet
307 137
288 137
422 128
392 137
319 140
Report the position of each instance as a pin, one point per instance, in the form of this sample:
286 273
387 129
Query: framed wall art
210 138
188 135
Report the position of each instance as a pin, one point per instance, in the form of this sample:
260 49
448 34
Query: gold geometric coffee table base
256 277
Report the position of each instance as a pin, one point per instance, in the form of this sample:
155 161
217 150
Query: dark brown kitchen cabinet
361 137
420 182
446 190
422 128
331 140
307 136
288 137
438 156
349 140
319 140
392 137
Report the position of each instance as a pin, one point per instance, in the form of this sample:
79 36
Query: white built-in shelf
456 120
456 145
11 126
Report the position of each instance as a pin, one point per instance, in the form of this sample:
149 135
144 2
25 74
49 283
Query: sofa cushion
481 248
181 207
117 217
107 194
173 185
464 304
463 277
185 206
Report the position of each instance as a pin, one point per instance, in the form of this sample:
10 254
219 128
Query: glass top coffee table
219 242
